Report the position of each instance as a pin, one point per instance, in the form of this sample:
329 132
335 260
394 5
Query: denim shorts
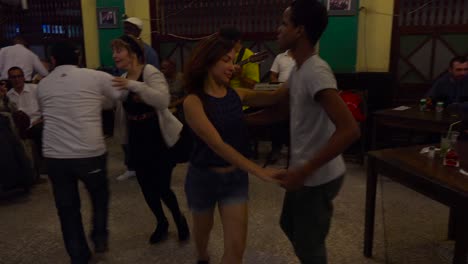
204 188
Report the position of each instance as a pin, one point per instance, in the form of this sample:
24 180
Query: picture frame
107 17
341 7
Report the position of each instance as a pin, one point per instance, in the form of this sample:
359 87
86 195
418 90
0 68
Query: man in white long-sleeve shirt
71 100
20 56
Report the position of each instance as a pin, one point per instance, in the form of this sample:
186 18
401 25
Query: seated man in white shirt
282 67
24 96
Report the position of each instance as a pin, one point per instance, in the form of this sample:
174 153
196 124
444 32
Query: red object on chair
353 101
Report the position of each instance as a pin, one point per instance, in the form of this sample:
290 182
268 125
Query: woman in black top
218 167
152 130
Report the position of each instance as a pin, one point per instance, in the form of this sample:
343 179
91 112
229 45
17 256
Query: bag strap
241 54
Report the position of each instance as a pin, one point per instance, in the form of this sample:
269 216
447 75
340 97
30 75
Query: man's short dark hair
230 33
15 68
459 59
312 15
20 40
65 53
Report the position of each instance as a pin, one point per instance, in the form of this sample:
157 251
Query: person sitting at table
452 87
28 118
16 169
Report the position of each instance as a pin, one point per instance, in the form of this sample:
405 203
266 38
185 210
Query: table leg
451 224
374 134
461 236
371 190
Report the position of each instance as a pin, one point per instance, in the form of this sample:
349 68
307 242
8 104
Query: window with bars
44 22
433 13
196 18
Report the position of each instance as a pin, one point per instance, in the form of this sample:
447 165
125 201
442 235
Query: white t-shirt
71 101
26 101
311 127
283 65
19 56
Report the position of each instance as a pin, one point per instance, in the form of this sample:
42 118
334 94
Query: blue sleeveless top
227 117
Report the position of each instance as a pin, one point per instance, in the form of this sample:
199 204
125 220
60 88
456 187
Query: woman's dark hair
132 44
204 56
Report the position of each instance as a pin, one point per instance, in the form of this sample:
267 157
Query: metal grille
197 18
433 13
44 22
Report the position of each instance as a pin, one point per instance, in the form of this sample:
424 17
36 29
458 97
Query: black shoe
101 246
160 233
100 243
183 229
203 262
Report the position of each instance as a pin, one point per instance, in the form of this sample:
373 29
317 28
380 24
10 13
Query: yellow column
140 9
374 35
90 31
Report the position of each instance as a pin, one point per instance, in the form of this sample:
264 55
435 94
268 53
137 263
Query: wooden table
426 176
412 119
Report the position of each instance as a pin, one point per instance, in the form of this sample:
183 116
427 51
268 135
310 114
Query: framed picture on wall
341 7
108 17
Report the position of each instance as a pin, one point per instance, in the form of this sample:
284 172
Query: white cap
135 21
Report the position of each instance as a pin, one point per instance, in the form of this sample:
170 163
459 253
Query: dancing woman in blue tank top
218 167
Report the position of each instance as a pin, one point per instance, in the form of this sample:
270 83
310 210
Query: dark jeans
64 175
306 218
205 188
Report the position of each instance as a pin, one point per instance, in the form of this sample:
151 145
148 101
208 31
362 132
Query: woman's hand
270 174
120 83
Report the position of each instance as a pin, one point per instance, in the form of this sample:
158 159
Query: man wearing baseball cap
133 26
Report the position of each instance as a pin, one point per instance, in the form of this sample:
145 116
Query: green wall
338 45
106 35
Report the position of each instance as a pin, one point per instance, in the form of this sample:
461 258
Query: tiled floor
415 227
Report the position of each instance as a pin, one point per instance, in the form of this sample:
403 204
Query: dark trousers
279 134
306 218
153 165
64 175
154 179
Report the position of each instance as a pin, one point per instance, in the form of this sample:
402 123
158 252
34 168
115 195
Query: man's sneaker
126 175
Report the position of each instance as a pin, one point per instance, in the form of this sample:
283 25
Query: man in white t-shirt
71 100
20 56
282 67
322 127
